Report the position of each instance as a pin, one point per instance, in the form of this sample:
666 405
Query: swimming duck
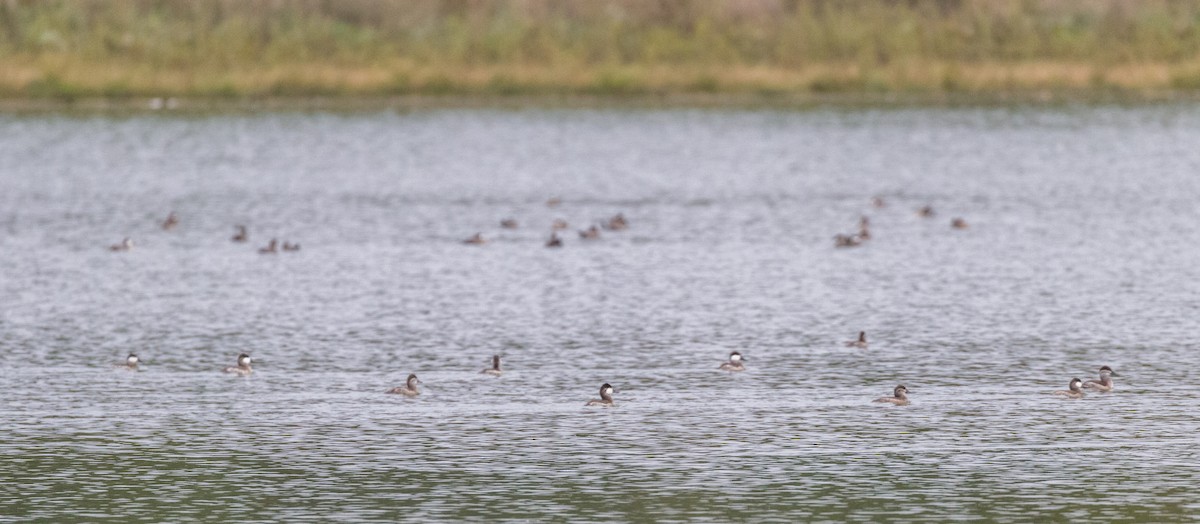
958 223
864 228
899 396
925 212
617 223
735 363
554 240
553 202
131 363
476 239
241 235
840 240
1105 384
878 202
495 369
272 248
559 225
291 247
861 342
242 368
125 245
170 222
1074 389
591 233
409 389
606 397
508 223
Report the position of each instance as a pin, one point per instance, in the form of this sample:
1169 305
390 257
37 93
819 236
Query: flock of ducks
240 236
736 363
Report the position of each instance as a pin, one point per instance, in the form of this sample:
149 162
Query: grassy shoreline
229 52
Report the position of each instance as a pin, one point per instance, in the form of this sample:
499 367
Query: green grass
65 50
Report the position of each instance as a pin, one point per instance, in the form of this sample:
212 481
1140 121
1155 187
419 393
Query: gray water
1081 252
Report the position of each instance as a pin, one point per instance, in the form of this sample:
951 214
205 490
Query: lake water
1081 252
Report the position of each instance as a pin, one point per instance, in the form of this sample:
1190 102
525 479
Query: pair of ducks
409 389
1075 387
273 247
242 368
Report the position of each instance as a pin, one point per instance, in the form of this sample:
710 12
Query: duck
617 223
1074 390
591 233
958 223
899 396
495 369
170 222
508 223
131 363
841 240
554 240
553 202
860 343
559 225
409 389
475 239
1105 384
606 397
878 202
925 212
287 246
735 363
125 245
864 228
272 248
241 235
242 368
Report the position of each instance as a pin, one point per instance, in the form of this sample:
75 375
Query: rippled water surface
1081 251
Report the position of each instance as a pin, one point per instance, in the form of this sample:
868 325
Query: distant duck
591 233
125 245
495 369
272 248
475 239
554 240
291 247
841 240
899 396
1105 384
508 223
241 235
864 228
1074 390
878 202
735 363
553 202
958 223
559 225
925 212
242 368
617 223
170 222
131 363
409 389
606 397
860 343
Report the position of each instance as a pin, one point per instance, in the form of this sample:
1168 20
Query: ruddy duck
243 366
1105 384
291 247
554 240
1074 389
617 223
508 223
476 239
125 245
559 225
846 241
131 363
591 233
495 369
272 248
606 394
925 212
241 235
860 343
409 389
170 222
899 396
734 364
553 202
958 223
